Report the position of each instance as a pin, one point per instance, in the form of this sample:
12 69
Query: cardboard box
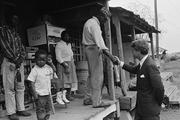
38 35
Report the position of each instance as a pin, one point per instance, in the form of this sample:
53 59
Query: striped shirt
10 44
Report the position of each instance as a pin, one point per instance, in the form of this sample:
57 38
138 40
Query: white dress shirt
142 60
63 52
92 34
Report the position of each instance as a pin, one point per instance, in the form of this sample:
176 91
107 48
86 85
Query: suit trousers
138 117
95 79
14 91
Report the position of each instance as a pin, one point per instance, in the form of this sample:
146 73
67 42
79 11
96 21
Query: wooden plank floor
76 111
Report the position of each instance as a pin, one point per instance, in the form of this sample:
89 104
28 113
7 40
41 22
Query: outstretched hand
118 61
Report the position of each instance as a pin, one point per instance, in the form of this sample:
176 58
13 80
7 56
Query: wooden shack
125 27
120 30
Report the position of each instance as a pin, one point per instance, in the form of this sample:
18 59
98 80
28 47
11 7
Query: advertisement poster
37 35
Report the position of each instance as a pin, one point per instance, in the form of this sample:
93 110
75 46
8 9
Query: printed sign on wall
37 35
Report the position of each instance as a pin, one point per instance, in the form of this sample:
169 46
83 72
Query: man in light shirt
150 90
94 48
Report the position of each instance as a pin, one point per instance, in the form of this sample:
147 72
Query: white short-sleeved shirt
42 77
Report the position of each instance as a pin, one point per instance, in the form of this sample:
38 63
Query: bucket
82 74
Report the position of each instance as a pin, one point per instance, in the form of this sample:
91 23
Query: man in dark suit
150 90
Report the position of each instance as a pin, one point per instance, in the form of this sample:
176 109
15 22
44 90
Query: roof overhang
128 19
46 6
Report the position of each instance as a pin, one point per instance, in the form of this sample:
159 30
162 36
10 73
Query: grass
174 67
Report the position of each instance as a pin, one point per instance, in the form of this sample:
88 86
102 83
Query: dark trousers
43 107
138 117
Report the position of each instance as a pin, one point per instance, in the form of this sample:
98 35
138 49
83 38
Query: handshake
116 61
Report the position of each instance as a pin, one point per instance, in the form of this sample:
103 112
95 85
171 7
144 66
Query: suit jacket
150 90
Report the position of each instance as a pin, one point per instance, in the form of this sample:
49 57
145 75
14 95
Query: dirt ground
174 67
172 113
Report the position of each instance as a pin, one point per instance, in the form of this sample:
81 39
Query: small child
40 80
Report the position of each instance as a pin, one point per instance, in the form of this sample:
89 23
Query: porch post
133 33
109 63
133 37
117 24
152 45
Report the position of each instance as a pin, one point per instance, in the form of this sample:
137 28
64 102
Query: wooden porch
76 111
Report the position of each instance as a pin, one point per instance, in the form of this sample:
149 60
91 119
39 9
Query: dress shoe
87 101
23 113
13 117
102 105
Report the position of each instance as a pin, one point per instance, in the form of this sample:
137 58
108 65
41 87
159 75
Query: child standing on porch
40 78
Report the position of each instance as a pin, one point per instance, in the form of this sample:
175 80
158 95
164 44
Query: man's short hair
141 45
105 12
64 33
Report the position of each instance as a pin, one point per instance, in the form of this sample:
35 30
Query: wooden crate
128 102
